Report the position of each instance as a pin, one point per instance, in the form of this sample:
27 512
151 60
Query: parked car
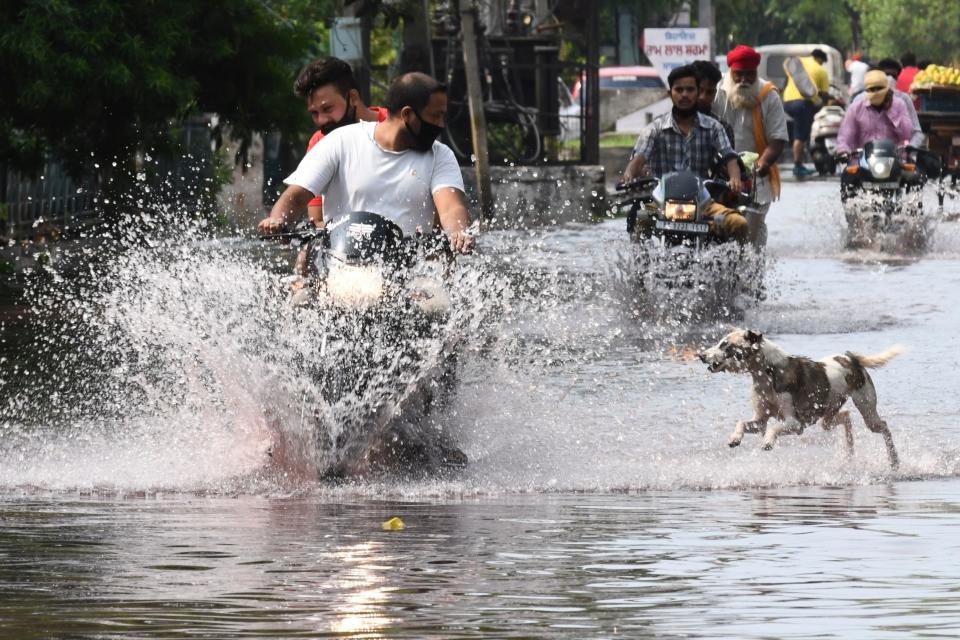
623 90
620 78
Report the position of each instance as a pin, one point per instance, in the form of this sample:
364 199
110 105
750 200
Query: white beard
741 96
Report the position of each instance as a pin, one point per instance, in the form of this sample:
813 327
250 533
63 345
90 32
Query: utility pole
628 50
417 53
706 20
478 121
591 144
350 41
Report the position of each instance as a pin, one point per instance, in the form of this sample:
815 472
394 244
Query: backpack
795 70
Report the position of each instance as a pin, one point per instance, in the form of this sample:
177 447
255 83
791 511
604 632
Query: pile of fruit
937 75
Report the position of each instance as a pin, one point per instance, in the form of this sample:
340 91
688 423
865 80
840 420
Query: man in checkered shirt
685 139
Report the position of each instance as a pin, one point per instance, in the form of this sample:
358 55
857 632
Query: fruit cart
937 92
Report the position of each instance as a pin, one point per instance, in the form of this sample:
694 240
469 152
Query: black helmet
362 237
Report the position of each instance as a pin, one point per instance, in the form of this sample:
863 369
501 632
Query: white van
772 57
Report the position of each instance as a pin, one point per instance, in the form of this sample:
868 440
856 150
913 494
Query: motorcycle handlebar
643 182
305 233
743 195
295 234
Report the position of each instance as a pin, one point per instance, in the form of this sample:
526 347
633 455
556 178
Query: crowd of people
388 159
740 112
716 115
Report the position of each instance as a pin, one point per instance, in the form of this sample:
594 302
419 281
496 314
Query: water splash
188 352
169 364
683 286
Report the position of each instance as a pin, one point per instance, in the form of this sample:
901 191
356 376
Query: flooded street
137 498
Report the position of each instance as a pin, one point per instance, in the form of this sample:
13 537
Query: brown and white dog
799 391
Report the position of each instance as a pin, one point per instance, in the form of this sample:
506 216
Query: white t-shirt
858 70
354 173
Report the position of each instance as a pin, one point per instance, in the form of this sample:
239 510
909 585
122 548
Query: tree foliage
877 28
928 28
100 78
759 22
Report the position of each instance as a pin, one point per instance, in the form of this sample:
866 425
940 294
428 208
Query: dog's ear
754 337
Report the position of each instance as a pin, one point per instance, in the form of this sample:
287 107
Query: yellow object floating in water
393 524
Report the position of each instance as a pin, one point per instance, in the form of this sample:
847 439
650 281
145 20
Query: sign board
346 39
668 49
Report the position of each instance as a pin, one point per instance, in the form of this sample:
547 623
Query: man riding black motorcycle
685 139
385 352
332 97
395 168
878 117
709 78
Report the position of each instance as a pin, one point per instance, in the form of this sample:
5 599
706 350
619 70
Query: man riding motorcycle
708 77
333 100
685 139
754 109
383 184
395 168
878 117
891 68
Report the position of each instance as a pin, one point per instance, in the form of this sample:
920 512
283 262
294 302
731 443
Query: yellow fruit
393 524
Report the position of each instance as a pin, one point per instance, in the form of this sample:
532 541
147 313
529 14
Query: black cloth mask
349 117
423 141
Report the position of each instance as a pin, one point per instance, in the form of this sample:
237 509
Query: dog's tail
877 360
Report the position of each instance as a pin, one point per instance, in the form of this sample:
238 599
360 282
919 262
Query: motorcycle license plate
831 144
686 227
881 185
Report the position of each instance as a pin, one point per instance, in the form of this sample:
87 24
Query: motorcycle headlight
354 285
880 167
680 210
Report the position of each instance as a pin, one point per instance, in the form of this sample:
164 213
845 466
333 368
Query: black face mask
424 140
349 117
684 113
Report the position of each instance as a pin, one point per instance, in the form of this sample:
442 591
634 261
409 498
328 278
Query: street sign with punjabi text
668 49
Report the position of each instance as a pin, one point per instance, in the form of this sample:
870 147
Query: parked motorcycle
384 356
823 138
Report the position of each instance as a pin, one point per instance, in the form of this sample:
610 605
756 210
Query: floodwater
137 498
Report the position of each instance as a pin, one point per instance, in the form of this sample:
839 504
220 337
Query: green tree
928 28
95 80
762 22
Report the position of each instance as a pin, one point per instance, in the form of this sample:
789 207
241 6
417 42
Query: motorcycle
874 189
673 209
385 358
669 218
823 139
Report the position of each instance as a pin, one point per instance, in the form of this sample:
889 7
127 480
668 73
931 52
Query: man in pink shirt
879 117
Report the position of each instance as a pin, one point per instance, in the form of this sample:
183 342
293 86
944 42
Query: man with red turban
753 108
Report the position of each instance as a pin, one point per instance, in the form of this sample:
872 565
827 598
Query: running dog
799 391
